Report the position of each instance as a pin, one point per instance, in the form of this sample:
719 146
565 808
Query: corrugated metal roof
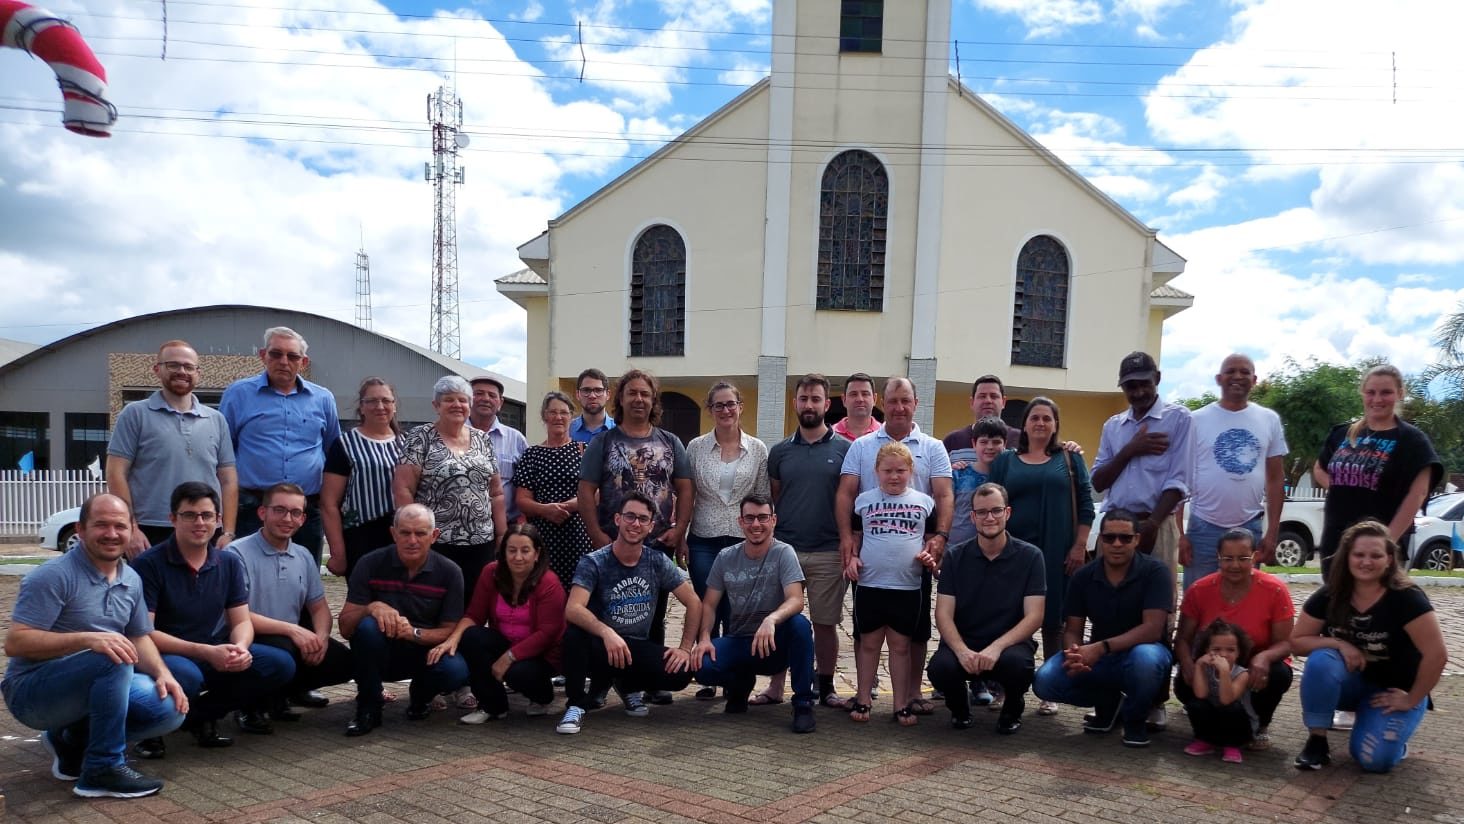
526 277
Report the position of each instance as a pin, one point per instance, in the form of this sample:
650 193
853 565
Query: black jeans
532 678
1014 671
1264 702
1222 726
337 667
585 657
658 621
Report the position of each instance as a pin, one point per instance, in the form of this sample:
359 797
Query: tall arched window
658 293
1040 313
853 219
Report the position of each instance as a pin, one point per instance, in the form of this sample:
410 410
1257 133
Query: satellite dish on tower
461 140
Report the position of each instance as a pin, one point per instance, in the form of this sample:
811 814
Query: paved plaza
690 762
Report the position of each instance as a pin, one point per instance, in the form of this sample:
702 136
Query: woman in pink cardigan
512 630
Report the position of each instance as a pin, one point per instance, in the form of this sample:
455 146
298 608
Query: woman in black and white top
355 489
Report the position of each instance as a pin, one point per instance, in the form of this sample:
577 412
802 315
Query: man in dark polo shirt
1125 663
804 470
989 601
198 600
402 601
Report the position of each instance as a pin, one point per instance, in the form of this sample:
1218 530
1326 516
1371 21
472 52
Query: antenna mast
445 113
363 285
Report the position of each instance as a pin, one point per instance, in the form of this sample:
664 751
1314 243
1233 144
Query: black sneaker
418 712
1136 733
1315 755
365 721
962 722
1008 724
803 718
65 759
1105 715
118 781
151 748
660 697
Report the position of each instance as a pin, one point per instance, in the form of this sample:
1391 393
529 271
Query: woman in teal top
1052 507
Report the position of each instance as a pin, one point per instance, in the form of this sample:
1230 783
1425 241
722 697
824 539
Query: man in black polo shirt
989 602
402 601
1126 662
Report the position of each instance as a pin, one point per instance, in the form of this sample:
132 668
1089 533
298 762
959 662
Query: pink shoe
1198 747
1231 755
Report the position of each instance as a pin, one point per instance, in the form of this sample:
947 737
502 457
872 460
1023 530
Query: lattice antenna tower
363 285
445 113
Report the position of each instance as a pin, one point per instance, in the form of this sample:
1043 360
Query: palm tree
1449 370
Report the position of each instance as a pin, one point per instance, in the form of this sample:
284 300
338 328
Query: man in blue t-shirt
610 615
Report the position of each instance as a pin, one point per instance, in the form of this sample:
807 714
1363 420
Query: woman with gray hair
449 467
546 481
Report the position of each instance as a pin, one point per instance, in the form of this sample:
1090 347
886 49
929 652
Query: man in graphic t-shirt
1240 473
610 618
638 456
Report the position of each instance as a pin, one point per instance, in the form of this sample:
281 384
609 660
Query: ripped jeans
1379 739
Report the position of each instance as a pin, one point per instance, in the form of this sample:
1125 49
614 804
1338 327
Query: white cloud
1201 192
1146 10
1043 17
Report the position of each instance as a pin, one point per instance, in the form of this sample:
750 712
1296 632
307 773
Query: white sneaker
478 717
536 710
1342 720
572 721
1158 719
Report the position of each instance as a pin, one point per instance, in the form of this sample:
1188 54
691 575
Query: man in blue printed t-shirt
83 668
611 609
281 425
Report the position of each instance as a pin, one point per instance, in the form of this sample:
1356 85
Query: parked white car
59 530
1434 534
1301 529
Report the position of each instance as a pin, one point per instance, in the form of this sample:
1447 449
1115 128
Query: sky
1302 156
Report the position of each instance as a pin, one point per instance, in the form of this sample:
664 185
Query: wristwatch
943 534
417 633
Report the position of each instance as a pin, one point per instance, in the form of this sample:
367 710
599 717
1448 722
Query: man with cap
508 443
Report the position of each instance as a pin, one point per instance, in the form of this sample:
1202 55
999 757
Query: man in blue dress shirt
281 425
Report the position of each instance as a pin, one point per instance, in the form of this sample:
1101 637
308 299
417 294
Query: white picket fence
27 499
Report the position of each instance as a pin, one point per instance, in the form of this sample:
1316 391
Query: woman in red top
1258 603
512 630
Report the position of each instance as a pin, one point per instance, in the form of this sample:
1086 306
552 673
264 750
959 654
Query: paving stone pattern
691 762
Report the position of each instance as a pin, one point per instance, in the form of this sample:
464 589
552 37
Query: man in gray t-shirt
767 633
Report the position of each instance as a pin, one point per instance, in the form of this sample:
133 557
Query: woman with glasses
1052 508
727 465
355 489
1257 602
546 485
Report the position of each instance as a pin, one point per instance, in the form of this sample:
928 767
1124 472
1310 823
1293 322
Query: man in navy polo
281 425
989 601
402 601
82 665
198 601
1127 596
284 583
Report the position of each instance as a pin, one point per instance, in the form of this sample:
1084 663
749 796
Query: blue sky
1320 218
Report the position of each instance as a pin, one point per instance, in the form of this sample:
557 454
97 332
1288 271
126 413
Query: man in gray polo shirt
169 438
804 470
284 584
83 667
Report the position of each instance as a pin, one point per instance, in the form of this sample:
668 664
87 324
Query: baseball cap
1137 366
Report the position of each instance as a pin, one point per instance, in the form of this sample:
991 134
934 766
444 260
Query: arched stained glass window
1040 311
853 220
658 293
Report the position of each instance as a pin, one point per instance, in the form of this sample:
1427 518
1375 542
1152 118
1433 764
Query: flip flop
920 706
762 699
835 702
907 716
859 712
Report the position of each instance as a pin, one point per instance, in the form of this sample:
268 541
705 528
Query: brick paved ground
689 762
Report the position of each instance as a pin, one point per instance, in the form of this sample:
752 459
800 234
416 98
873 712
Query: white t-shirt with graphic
1231 449
894 532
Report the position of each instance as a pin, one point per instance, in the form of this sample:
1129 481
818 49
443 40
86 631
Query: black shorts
898 610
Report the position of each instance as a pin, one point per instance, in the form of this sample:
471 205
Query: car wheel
67 539
1436 555
1293 548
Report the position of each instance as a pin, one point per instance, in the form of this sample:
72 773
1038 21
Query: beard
808 419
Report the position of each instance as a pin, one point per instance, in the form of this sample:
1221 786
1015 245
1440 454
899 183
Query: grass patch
1413 573
27 561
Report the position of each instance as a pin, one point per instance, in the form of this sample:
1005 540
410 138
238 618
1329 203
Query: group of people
478 564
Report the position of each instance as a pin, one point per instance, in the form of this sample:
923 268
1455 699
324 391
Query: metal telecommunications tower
445 113
363 286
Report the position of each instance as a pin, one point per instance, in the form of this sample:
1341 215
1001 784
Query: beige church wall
1082 415
712 193
995 204
536 372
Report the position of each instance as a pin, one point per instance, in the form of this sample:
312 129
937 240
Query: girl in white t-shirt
886 570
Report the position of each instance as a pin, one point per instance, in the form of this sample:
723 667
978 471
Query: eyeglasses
635 518
725 406
1235 559
286 512
196 517
1120 538
179 366
760 518
378 401
983 514
280 354
598 390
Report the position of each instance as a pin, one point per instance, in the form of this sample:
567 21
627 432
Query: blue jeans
700 553
379 658
1379 739
1139 673
737 668
1204 538
270 671
86 697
